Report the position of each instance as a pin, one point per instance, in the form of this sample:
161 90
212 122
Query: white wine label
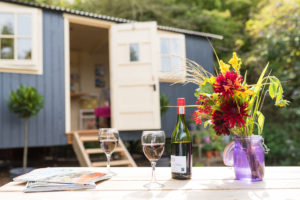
178 164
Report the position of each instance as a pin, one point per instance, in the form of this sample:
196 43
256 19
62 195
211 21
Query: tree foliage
164 102
25 102
275 37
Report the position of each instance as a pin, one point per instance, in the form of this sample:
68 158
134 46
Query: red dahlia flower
204 107
197 117
219 124
227 84
233 113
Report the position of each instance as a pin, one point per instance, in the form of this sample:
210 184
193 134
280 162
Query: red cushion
102 111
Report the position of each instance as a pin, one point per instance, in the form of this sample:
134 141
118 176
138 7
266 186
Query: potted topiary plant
26 102
218 148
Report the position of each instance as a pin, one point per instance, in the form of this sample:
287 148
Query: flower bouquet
230 105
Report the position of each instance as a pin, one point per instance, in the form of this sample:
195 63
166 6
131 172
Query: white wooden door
134 76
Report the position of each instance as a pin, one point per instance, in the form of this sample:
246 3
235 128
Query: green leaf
207 88
245 78
258 86
272 89
254 107
279 94
261 121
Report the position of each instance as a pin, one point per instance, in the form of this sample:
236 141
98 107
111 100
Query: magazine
54 179
37 186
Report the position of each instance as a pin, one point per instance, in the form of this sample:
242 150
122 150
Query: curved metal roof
109 18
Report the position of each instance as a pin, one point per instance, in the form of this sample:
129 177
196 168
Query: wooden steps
89 138
98 150
78 138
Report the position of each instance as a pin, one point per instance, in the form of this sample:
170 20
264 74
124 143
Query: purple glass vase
249 158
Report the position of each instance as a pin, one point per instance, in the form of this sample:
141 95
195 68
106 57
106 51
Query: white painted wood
206 183
67 75
35 64
135 103
285 194
87 21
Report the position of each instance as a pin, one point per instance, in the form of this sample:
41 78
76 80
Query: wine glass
108 139
153 146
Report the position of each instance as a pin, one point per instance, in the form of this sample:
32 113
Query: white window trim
173 76
35 65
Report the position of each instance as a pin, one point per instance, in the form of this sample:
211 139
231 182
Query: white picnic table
206 183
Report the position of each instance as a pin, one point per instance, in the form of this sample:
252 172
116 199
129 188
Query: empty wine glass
153 146
108 139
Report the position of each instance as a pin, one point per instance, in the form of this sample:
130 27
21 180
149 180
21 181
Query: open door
134 76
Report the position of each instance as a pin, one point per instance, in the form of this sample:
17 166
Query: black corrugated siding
48 127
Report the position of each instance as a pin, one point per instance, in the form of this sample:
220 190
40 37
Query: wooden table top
206 183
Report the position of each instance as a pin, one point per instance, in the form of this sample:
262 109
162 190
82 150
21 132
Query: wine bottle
181 146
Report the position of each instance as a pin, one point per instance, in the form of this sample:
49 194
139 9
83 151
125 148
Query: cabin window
172 57
20 39
134 52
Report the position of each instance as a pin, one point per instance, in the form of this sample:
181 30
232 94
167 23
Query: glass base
153 185
249 179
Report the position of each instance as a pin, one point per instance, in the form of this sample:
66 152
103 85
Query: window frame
35 64
171 76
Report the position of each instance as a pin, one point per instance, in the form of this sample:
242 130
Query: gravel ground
4 175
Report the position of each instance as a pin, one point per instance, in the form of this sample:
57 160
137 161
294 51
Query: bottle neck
180 110
181 118
181 132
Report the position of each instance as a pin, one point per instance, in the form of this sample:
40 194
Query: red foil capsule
180 106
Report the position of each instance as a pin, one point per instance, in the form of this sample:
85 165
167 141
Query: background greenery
260 31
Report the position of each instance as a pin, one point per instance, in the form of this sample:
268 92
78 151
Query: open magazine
55 179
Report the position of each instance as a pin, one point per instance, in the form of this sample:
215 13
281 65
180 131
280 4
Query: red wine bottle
181 146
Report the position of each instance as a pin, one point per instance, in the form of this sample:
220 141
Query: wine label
178 164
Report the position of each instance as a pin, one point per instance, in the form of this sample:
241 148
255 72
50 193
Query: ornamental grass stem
257 171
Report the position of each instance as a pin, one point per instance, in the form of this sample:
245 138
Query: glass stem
153 164
108 162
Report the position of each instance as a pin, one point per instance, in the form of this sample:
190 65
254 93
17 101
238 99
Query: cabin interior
89 76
